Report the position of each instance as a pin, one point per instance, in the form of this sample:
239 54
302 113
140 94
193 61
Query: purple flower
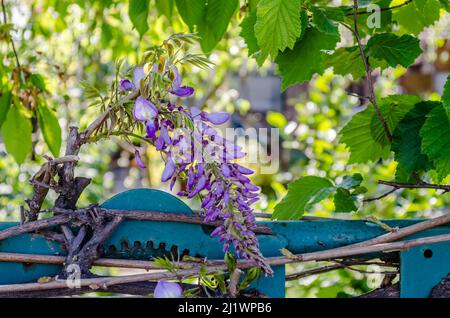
150 128
126 85
169 170
144 110
217 118
183 91
176 83
165 289
138 74
137 157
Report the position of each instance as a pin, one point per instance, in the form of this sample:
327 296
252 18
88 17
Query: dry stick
368 72
104 282
33 226
422 185
162 217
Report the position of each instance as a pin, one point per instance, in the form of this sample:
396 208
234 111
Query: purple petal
225 170
126 85
177 79
217 118
169 170
138 74
138 159
150 128
144 110
195 111
165 289
165 135
244 170
183 91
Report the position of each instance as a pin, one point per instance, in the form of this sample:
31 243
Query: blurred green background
70 42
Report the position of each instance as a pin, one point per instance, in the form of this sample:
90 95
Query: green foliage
418 14
324 19
407 142
191 11
49 125
165 7
306 58
435 135
346 60
215 22
5 104
357 135
445 97
393 49
16 131
138 12
278 25
344 201
301 196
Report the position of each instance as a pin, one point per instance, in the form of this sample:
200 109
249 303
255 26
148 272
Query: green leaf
278 25
351 182
16 132
302 195
138 12
50 128
38 81
344 201
393 49
445 97
248 33
191 11
393 108
357 135
435 135
415 16
325 19
165 7
5 104
407 142
346 60
306 58
215 22
276 119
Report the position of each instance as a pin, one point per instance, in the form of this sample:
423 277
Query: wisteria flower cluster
196 154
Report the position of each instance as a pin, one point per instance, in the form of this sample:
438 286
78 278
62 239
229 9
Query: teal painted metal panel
12 272
423 267
146 239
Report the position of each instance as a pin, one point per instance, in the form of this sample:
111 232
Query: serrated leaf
302 195
407 142
325 19
445 97
306 58
278 25
49 125
215 22
357 135
393 108
16 131
417 15
435 135
138 13
5 104
393 49
344 201
191 11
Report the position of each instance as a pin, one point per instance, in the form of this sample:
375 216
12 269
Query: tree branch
383 9
368 72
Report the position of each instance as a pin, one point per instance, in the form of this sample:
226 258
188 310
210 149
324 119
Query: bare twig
234 281
5 21
383 9
242 264
422 185
381 196
368 72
